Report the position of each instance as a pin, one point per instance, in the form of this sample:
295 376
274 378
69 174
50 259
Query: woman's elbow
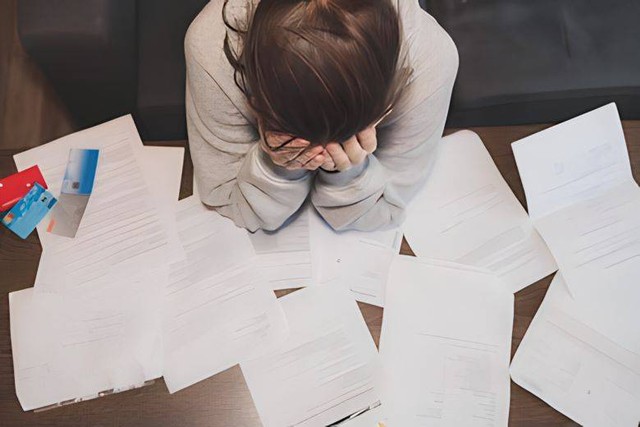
273 224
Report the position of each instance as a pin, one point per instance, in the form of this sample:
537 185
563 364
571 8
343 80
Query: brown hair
322 70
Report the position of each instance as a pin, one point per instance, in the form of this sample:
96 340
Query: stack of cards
29 211
16 186
26 192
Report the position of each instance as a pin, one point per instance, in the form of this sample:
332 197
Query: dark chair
521 61
106 58
540 61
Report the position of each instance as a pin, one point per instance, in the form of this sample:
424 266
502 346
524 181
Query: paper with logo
585 203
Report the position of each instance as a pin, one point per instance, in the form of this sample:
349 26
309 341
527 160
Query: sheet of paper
573 368
578 182
217 309
585 203
467 213
575 161
284 256
445 346
597 244
324 372
163 168
69 348
121 233
194 186
359 260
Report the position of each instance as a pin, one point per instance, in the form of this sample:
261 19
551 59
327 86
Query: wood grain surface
223 400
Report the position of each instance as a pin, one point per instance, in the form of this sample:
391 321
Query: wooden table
223 400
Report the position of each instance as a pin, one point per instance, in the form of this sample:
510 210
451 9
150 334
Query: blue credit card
81 172
29 211
77 186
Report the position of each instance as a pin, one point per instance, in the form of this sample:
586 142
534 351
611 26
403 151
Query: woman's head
321 70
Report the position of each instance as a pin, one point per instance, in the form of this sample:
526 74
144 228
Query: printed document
586 205
573 368
359 260
217 309
467 213
324 372
445 346
68 348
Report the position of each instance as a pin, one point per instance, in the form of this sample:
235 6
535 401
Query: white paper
576 370
217 309
467 213
71 348
578 183
284 256
359 260
121 234
162 168
445 346
324 371
574 161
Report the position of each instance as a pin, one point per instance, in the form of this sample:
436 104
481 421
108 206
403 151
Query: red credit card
14 187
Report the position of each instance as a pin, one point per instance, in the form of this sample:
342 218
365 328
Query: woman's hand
340 157
292 153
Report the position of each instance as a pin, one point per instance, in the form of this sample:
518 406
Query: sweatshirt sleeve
375 194
234 176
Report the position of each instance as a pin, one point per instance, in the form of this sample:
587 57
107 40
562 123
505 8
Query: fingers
285 151
368 140
328 165
303 158
279 156
297 153
282 147
354 150
296 144
339 156
276 139
315 163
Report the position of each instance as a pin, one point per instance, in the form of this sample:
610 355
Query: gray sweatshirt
235 177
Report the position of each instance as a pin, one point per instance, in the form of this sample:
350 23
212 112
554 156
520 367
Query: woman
342 100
